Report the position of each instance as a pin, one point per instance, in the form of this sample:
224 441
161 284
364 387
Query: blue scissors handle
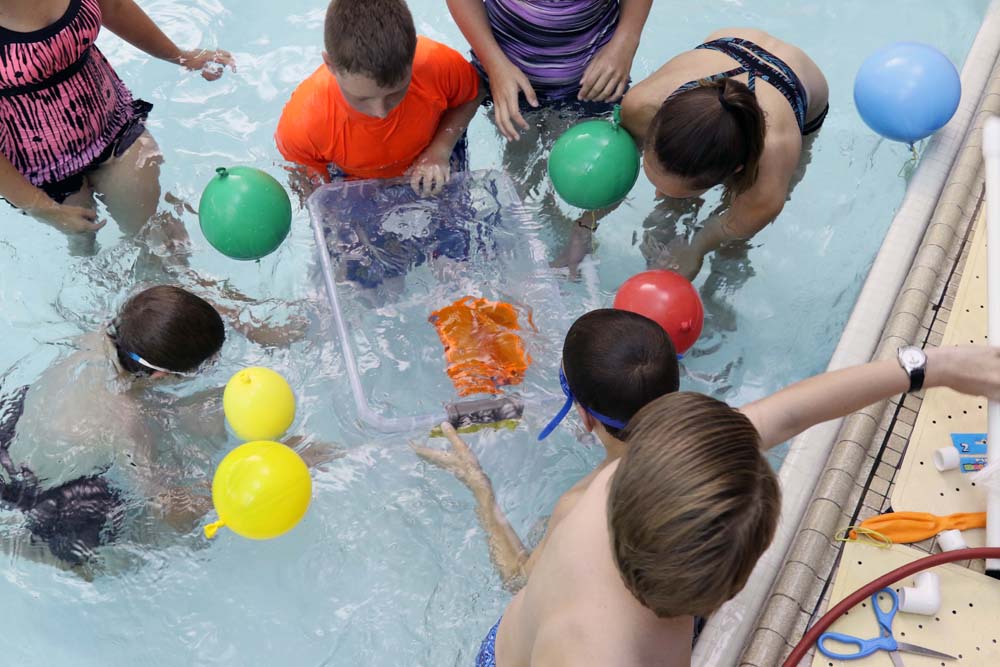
865 647
885 618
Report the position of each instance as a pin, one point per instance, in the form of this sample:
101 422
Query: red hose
810 637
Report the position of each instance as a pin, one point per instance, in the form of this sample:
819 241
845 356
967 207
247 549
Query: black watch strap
916 379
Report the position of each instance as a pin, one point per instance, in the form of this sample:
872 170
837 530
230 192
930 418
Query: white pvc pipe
924 597
991 154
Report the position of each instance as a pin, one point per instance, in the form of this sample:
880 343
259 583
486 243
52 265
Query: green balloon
244 213
594 164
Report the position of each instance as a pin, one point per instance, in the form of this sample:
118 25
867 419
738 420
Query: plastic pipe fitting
924 598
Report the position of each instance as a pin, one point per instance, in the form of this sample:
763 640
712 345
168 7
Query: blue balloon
907 91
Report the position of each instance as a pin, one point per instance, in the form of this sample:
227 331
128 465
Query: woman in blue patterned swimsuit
735 111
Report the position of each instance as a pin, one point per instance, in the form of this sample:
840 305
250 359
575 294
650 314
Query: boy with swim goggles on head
614 363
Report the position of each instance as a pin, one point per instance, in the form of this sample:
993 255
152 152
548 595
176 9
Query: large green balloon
244 213
594 164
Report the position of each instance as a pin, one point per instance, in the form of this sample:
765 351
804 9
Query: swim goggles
607 421
153 367
111 328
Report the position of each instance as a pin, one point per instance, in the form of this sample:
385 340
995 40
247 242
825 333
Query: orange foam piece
481 344
910 527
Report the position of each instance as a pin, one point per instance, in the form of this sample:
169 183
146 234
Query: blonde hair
692 505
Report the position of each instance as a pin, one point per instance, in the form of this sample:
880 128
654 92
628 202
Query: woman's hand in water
211 63
580 244
458 459
680 256
430 171
507 82
606 77
68 219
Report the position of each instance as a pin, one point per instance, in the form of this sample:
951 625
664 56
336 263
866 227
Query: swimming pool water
389 566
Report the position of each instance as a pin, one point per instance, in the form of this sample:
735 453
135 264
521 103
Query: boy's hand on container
211 63
430 172
68 219
459 459
506 85
606 77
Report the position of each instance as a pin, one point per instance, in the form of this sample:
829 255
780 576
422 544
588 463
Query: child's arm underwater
127 20
512 559
968 369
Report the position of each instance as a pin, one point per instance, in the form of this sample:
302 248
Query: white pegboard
966 625
919 486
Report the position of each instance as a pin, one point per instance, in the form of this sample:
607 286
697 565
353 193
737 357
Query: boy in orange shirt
384 103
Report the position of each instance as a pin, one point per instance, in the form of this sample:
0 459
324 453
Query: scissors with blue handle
884 642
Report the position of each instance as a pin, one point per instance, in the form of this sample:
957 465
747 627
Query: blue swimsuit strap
756 60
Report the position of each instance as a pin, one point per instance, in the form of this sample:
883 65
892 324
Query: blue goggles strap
564 383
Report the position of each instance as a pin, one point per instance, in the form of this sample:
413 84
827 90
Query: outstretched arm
968 369
127 20
508 552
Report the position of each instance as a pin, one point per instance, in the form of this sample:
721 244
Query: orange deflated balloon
481 344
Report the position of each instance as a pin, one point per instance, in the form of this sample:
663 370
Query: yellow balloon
259 404
260 490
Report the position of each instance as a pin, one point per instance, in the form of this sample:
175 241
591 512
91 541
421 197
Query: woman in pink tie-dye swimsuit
69 128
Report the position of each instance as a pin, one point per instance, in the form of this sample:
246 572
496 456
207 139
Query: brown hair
692 505
709 132
375 38
168 327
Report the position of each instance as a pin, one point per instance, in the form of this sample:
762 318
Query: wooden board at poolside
919 486
964 626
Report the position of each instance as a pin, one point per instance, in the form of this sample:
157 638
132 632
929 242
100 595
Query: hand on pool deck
210 62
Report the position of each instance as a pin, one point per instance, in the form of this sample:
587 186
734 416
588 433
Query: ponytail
712 133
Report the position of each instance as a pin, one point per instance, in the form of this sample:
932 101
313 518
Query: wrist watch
913 360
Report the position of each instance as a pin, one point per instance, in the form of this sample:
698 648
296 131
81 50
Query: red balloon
668 299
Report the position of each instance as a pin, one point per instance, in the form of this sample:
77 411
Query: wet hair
692 505
707 133
168 327
617 361
375 38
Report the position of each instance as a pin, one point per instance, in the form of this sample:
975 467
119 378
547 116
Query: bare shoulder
574 639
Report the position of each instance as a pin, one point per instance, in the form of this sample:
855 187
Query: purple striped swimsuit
552 41
61 104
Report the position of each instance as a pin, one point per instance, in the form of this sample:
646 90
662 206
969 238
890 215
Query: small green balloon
594 164
244 213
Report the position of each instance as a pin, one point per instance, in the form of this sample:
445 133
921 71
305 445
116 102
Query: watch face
911 357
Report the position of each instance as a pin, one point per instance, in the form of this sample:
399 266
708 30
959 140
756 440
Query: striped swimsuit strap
755 61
